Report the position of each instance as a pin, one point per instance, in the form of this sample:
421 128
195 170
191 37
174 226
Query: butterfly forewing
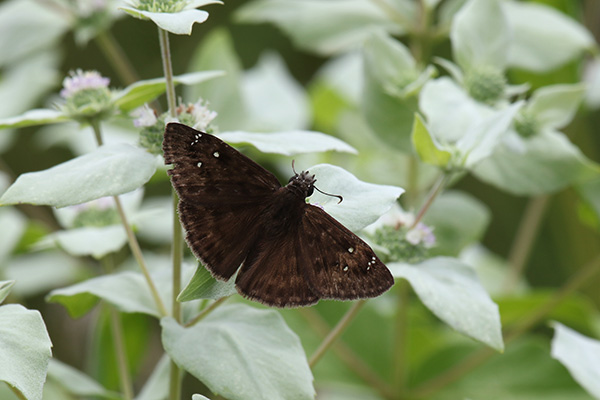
209 170
342 265
222 193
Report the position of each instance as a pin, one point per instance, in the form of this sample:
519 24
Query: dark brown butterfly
236 213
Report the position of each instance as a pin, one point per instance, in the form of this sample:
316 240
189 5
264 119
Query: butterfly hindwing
274 273
342 266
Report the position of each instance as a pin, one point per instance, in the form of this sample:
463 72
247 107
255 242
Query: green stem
525 239
582 276
433 193
478 357
177 250
347 355
206 311
336 332
174 381
412 191
165 50
122 364
132 240
117 335
116 57
177 257
400 339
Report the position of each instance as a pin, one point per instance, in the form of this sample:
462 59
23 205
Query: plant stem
177 250
433 193
206 311
116 328
412 191
122 364
525 239
480 356
399 368
177 257
582 276
165 50
116 57
132 240
336 332
347 355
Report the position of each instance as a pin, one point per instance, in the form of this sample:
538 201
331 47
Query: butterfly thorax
302 184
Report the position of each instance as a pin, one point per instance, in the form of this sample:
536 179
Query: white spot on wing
216 154
345 268
350 249
199 164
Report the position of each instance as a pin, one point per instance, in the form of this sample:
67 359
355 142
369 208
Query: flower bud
485 84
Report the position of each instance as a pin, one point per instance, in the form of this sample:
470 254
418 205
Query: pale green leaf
451 290
24 350
38 72
458 220
5 289
34 117
108 171
267 357
27 27
216 51
480 35
13 225
449 110
591 79
75 381
390 117
326 27
128 291
548 163
204 286
553 107
39 272
179 23
390 61
288 143
543 37
581 356
363 203
426 146
141 92
492 271
94 241
157 385
482 138
274 100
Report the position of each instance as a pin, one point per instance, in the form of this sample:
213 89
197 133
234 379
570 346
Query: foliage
442 110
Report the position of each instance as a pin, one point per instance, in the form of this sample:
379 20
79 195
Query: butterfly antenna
329 194
294 169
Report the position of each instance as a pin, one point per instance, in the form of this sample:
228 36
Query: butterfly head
303 183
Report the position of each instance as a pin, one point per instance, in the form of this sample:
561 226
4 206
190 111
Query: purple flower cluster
80 80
